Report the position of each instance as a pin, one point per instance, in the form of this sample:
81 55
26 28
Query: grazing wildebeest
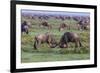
43 17
45 24
77 18
69 37
24 27
62 18
83 25
44 38
63 26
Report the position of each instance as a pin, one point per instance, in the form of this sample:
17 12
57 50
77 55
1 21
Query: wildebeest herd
48 37
45 33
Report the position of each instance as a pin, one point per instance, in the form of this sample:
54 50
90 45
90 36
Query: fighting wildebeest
44 38
69 37
45 24
63 26
24 27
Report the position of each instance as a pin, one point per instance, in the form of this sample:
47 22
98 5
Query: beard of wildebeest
44 38
69 37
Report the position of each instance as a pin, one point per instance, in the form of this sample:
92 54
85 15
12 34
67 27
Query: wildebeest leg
27 32
35 44
66 42
76 47
49 44
76 43
80 44
39 43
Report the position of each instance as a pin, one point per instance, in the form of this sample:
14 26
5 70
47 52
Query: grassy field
44 53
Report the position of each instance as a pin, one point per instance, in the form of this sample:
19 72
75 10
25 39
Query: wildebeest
45 24
24 27
43 17
83 25
69 37
63 26
76 18
44 38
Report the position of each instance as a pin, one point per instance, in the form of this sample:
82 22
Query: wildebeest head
53 44
62 44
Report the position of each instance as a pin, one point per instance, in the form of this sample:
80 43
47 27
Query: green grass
51 56
44 53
